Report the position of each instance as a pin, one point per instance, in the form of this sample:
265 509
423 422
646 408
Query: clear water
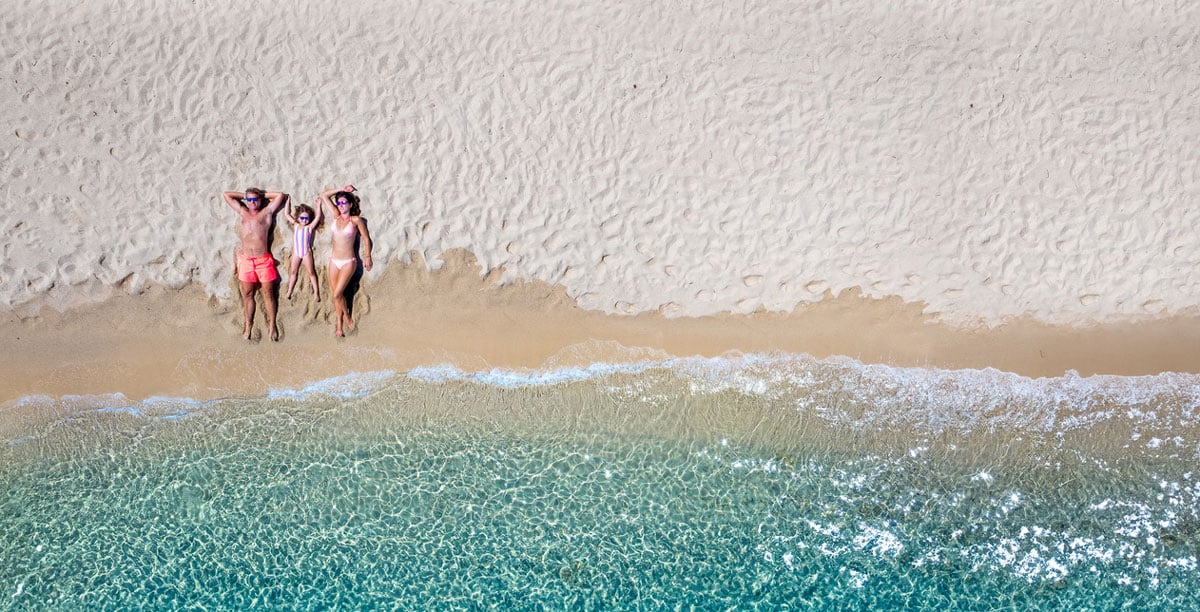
758 482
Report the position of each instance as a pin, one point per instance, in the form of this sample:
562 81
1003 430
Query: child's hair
305 209
351 198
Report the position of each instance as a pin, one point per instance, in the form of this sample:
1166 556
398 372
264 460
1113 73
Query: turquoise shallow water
752 482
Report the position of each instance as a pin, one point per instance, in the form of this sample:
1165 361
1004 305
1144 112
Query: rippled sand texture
986 159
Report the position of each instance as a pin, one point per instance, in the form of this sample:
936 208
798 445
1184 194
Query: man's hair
262 195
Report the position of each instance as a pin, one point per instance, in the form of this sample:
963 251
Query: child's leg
292 275
312 275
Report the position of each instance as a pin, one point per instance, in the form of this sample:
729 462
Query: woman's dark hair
351 198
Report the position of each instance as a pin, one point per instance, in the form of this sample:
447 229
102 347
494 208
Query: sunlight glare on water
767 482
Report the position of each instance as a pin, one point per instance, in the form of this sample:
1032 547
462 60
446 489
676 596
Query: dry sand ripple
984 160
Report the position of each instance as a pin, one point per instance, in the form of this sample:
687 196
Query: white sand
985 159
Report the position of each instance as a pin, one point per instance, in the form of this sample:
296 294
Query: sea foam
840 390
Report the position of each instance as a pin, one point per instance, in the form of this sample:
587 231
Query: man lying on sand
255 265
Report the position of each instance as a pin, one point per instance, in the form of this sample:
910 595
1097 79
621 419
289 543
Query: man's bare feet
337 333
274 334
246 334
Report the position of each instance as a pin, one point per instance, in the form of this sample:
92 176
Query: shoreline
182 343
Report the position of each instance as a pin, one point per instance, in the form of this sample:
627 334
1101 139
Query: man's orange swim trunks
259 269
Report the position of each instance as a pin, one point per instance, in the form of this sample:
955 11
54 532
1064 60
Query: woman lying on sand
345 228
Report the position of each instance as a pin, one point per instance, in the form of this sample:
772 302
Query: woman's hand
348 188
367 262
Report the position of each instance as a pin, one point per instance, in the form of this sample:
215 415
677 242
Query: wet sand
182 343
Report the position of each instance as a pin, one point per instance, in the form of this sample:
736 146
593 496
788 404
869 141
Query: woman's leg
292 275
338 280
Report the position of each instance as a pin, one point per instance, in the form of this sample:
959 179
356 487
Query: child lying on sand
304 224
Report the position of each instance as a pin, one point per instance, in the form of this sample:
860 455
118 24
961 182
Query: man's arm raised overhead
234 200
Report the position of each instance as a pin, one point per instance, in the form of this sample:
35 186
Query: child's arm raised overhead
320 213
288 213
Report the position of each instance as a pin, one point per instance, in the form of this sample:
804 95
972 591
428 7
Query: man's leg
271 304
248 290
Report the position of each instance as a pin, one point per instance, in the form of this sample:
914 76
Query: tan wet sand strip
179 343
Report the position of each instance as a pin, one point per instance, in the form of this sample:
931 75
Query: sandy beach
721 305
965 188
177 343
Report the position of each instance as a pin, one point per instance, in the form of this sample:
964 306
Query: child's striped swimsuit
302 241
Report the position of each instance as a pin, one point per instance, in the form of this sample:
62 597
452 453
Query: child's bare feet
274 334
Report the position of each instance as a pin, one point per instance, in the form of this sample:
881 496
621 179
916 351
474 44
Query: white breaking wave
840 390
